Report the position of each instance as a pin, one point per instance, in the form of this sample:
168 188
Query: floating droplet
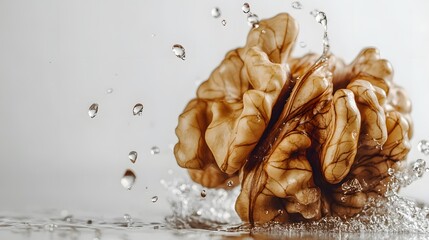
253 20
154 199
423 147
245 8
138 109
302 44
224 22
203 193
296 5
128 179
155 150
390 171
179 51
280 211
132 156
266 212
216 12
109 90
230 183
419 167
93 110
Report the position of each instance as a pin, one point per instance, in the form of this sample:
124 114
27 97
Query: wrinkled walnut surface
306 137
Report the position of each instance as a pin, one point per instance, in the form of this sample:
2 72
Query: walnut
307 137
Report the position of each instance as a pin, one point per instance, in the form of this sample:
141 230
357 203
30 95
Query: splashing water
391 213
323 20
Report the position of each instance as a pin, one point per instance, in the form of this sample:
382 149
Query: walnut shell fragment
307 137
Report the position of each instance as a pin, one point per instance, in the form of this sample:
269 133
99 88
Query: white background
58 57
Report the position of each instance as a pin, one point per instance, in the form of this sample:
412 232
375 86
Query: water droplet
216 12
423 147
230 183
93 110
224 22
280 211
155 150
68 218
419 167
138 109
179 51
354 134
154 199
51 227
245 8
302 44
89 222
132 156
258 117
297 5
266 212
128 179
203 193
253 20
128 220
390 171
109 90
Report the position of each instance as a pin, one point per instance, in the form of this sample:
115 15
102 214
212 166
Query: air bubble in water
179 51
203 193
230 183
253 20
93 110
154 199
245 8
423 147
216 12
128 179
223 22
155 150
296 5
138 109
132 156
109 90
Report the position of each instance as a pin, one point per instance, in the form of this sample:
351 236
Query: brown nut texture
305 137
